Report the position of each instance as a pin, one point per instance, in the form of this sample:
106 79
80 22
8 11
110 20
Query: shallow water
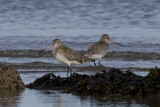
28 98
28 26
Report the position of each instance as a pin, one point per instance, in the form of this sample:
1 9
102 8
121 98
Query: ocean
28 26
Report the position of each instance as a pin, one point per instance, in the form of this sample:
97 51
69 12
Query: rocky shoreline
10 79
109 82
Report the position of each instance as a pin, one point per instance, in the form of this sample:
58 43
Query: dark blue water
27 26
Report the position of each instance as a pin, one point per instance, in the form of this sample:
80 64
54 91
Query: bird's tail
82 52
84 56
86 59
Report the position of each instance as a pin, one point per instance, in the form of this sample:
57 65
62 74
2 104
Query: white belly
95 56
64 60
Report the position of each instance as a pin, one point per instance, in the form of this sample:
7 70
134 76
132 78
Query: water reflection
112 101
9 98
49 98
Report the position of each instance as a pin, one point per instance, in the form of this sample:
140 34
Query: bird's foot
94 62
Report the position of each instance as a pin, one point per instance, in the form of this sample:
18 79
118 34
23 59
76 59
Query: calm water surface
32 98
27 26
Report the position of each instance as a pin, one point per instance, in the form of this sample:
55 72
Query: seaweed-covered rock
10 79
154 73
114 81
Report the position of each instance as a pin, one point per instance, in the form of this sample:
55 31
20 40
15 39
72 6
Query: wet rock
114 81
10 79
154 73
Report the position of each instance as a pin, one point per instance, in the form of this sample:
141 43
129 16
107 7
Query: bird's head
55 43
105 38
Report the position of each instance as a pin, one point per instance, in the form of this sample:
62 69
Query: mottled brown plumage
99 49
66 55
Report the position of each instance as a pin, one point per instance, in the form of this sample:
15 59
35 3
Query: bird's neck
56 47
104 41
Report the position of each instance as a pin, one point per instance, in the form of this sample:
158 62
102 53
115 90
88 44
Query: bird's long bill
116 43
48 47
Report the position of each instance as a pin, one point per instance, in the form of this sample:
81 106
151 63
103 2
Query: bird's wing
70 54
97 48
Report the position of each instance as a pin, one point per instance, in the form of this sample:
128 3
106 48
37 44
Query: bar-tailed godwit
66 55
99 49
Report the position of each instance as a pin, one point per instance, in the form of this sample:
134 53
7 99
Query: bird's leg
100 63
94 62
68 70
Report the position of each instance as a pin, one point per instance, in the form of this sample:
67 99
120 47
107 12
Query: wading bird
99 49
66 55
